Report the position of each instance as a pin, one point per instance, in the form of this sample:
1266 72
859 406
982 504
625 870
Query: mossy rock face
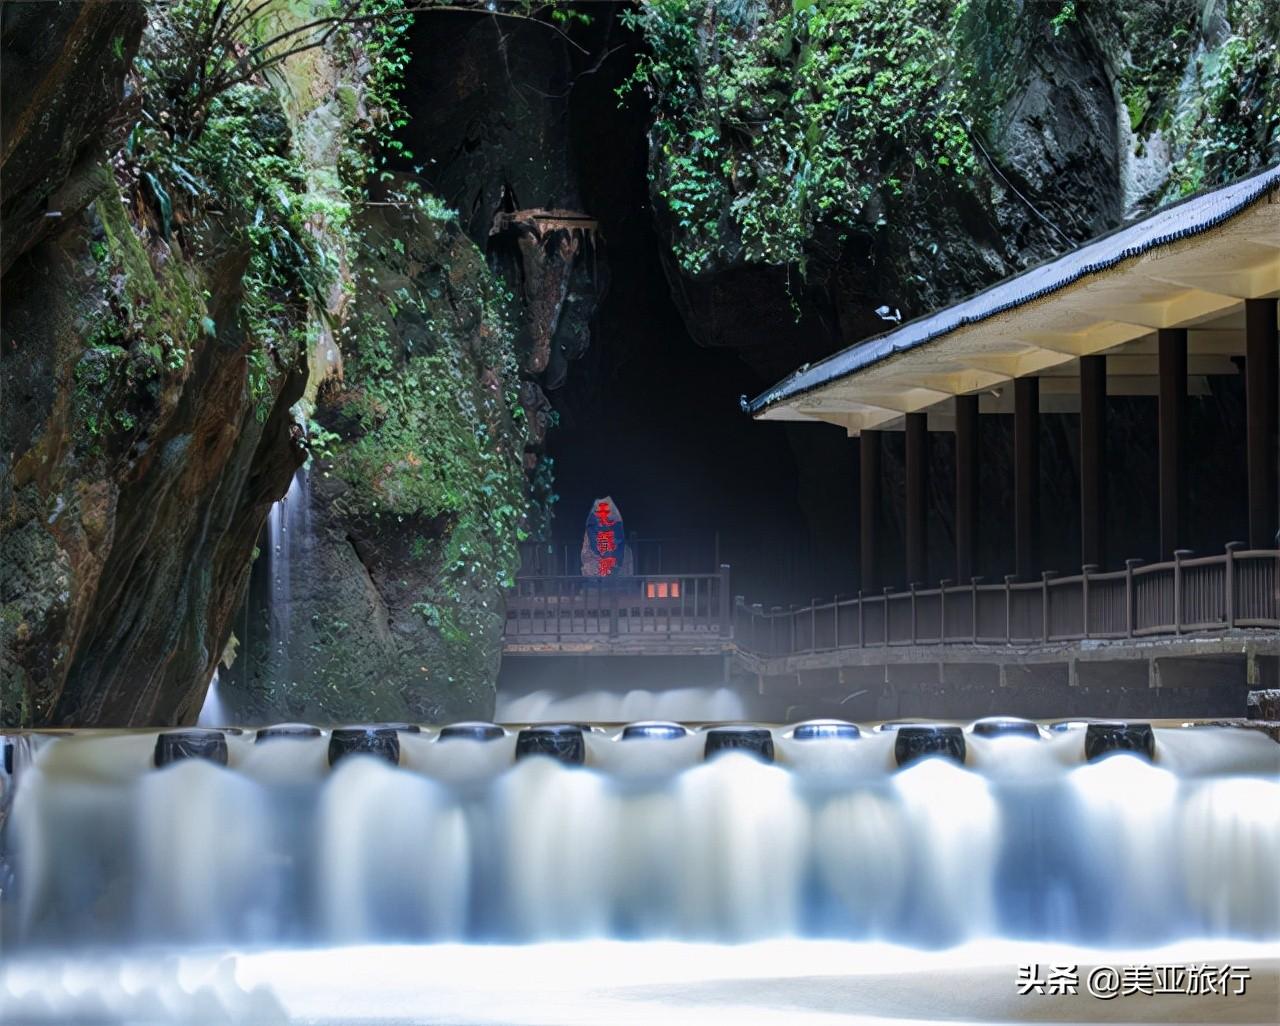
141 477
62 78
837 157
416 496
139 463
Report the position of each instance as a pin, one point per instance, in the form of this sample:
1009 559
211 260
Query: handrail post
1085 571
1008 607
942 611
1129 596
973 605
612 584
726 627
914 635
1230 579
835 622
1178 556
1045 577
862 622
813 625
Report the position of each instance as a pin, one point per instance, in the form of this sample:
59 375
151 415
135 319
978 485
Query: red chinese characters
604 542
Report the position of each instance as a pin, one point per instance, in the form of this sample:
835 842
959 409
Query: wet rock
752 740
825 730
286 730
563 742
1103 738
63 78
917 742
381 742
653 730
176 745
471 732
1005 726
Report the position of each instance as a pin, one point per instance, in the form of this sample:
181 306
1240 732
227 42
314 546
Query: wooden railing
1240 588
647 556
568 607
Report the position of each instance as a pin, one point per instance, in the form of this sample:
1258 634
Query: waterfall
462 842
214 712
288 537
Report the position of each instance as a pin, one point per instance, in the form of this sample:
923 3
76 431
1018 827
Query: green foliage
768 126
437 439
435 442
1065 16
1232 123
1213 96
214 151
383 36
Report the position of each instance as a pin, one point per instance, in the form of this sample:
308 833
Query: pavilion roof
1184 265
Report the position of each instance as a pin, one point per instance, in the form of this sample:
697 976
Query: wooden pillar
1026 477
917 497
869 509
1172 344
966 485
1093 460
1260 367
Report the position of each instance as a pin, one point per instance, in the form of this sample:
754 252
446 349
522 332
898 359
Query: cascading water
288 539
466 848
462 842
214 711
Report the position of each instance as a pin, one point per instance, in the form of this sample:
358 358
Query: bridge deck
691 614
643 615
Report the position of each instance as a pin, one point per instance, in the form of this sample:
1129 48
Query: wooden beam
1261 362
869 484
1172 354
917 443
1093 459
967 449
1026 477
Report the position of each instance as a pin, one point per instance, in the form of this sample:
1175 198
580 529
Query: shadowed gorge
584 260
688 511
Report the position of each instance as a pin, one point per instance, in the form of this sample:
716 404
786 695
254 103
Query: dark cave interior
651 418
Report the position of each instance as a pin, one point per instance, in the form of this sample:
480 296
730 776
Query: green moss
168 308
1231 123
434 456
769 125
426 366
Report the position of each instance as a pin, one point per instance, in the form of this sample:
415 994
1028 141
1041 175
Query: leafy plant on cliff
1231 123
1202 77
774 118
432 436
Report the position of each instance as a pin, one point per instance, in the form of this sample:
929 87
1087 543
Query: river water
465 849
